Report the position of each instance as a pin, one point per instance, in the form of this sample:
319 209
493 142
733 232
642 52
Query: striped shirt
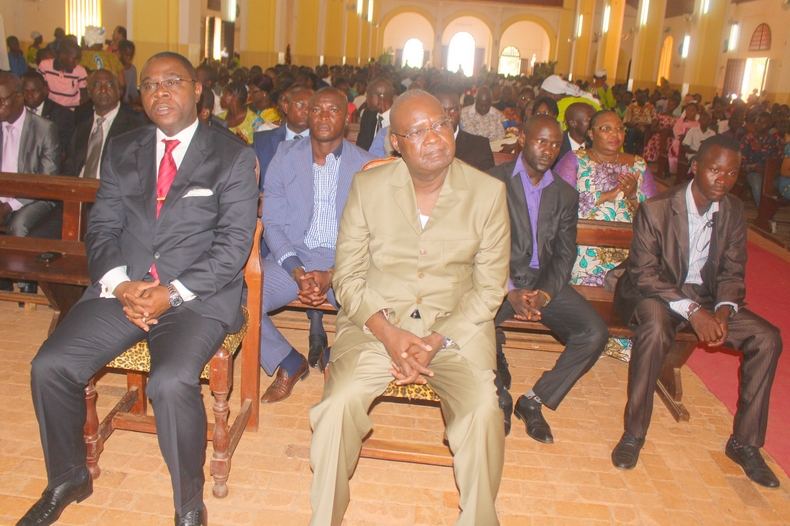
323 229
64 87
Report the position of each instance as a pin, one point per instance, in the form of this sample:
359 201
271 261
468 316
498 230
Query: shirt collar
109 116
545 181
385 117
184 136
40 108
336 154
692 206
290 134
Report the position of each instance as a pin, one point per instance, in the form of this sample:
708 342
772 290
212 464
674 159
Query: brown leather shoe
283 384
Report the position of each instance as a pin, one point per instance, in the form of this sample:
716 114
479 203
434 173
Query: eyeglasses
440 127
610 129
149 88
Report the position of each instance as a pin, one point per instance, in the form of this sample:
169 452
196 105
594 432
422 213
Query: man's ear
522 139
694 166
394 140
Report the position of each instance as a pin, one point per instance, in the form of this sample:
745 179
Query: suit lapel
548 203
680 231
404 195
147 172
520 210
25 143
344 177
448 196
193 158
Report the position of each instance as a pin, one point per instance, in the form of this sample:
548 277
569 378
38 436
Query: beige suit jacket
454 271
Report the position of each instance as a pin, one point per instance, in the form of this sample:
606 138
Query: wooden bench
771 201
528 336
63 281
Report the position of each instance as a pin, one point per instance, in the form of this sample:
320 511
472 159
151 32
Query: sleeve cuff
733 305
681 307
112 279
290 261
186 294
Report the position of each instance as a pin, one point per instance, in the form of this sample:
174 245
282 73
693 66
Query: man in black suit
544 208
86 149
37 101
265 143
380 96
471 149
686 267
577 121
168 237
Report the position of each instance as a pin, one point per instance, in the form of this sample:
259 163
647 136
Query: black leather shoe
505 401
48 508
502 366
626 453
318 343
529 411
752 462
193 518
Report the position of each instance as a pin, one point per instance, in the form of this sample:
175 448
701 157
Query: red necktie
167 172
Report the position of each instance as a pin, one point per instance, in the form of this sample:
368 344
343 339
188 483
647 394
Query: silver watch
175 297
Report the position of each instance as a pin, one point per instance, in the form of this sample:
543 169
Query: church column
565 34
258 32
647 44
609 53
304 46
706 41
154 34
583 27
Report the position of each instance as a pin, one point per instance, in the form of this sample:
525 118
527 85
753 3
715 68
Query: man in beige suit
420 270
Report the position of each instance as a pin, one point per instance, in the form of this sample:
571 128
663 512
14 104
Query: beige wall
21 18
405 26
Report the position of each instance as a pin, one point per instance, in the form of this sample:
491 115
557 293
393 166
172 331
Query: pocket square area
198 192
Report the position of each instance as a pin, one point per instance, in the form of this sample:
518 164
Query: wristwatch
296 270
175 297
693 308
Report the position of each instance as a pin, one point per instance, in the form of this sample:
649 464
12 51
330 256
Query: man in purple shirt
543 216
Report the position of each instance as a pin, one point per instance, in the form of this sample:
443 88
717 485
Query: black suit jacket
63 119
203 235
557 220
367 129
474 150
77 147
657 265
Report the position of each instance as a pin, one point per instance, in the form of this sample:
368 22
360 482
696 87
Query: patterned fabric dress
251 123
653 147
592 178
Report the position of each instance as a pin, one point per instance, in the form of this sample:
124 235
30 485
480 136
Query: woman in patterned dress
663 121
611 186
241 120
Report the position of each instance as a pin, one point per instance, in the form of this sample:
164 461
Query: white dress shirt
118 275
290 134
12 137
109 118
574 145
700 231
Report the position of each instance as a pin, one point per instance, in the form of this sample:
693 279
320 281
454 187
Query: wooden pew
771 201
352 131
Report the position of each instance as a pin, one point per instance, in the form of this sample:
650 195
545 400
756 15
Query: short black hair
122 31
70 48
34 75
206 100
10 39
262 82
126 45
545 101
238 89
722 141
175 56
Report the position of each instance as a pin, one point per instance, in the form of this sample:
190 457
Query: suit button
419 301
420 275
397 321
156 255
422 252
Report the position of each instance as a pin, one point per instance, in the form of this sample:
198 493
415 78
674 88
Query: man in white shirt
696 135
686 267
577 122
168 237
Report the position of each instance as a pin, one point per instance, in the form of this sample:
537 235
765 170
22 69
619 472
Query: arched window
510 61
761 38
461 53
413 53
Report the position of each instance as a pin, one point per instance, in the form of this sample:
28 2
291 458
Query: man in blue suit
265 143
306 188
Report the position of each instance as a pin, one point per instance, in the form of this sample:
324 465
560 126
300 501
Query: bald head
11 81
334 94
380 95
483 101
11 91
539 122
577 119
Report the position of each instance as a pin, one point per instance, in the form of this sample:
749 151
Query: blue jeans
755 181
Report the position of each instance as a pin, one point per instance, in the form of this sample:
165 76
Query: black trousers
93 334
581 329
654 334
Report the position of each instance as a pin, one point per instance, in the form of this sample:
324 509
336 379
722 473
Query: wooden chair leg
220 384
93 440
670 386
138 380
768 208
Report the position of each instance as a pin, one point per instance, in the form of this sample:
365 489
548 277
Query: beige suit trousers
471 412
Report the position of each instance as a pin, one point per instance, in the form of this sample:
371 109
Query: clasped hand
410 354
143 301
711 328
313 287
527 303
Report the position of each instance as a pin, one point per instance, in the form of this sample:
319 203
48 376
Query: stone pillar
705 49
565 34
583 43
610 41
647 44
258 32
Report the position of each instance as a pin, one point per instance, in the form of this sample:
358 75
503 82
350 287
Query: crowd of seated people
334 234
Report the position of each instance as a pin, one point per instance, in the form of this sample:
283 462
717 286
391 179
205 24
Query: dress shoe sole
735 459
533 437
301 378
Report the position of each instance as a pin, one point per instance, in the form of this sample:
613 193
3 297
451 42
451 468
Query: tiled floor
683 476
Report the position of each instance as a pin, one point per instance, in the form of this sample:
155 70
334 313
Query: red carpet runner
767 280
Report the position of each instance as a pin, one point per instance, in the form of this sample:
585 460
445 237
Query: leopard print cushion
137 358
412 392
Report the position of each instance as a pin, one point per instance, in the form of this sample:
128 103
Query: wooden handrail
50 187
604 233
